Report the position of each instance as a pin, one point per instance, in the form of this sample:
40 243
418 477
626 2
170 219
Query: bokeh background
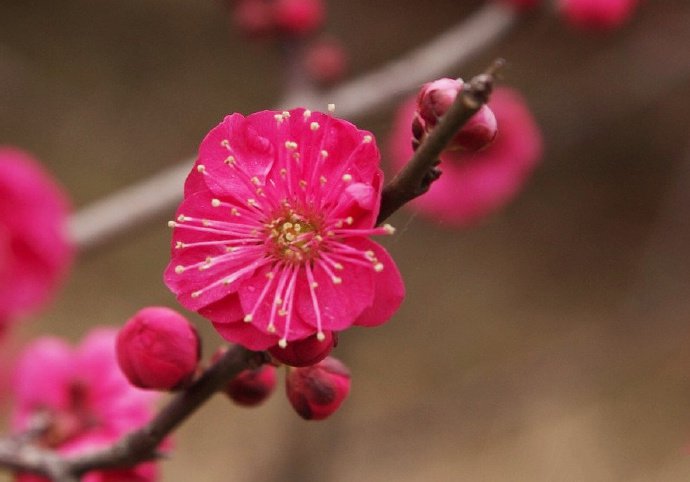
548 343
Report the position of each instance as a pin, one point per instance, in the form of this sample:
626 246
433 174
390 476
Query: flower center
293 237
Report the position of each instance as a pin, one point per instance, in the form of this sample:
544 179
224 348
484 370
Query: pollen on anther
255 180
282 343
248 318
235 212
336 280
215 202
179 269
172 224
378 267
230 160
370 255
283 172
322 180
324 153
196 294
201 168
181 218
320 336
389 229
271 328
349 220
306 114
331 108
315 284
347 177
367 139
179 245
292 145
279 118
314 126
303 184
286 114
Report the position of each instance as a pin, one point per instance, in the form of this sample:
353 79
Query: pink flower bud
158 349
317 391
434 100
597 14
254 18
299 17
252 387
305 352
326 61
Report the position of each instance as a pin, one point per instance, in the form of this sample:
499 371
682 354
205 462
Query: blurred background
548 343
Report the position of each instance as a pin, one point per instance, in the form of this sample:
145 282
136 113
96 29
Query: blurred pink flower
271 241
476 184
597 14
82 397
34 250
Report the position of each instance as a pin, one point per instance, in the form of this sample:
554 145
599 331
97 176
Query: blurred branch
140 445
420 172
150 198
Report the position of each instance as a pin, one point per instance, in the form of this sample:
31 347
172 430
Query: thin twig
420 172
134 205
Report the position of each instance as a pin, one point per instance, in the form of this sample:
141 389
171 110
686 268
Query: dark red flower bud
253 386
305 352
158 349
326 61
434 100
317 391
299 17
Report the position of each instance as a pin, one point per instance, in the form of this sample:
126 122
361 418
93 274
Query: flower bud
299 17
305 352
434 100
317 391
596 14
326 61
253 386
158 349
254 18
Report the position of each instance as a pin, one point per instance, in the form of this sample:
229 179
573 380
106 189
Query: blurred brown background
547 344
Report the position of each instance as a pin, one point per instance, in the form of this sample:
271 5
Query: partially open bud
253 386
158 349
317 391
299 17
434 100
305 352
326 61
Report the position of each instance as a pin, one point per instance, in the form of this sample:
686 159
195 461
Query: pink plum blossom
597 14
271 240
82 397
476 184
34 250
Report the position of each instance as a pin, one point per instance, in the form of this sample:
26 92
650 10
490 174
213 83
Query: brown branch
137 446
420 172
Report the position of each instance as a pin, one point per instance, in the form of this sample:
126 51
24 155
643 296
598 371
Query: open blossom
82 398
476 184
271 240
34 251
